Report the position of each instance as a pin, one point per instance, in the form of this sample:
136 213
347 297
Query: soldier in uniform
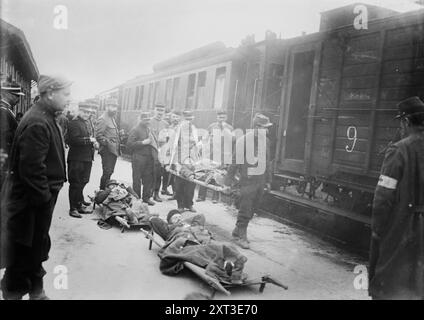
37 173
80 158
107 136
396 268
252 184
224 130
144 153
10 95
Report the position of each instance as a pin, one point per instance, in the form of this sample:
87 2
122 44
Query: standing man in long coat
397 242
80 158
37 173
107 135
10 96
144 154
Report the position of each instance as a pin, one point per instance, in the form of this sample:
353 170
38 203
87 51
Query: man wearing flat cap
144 153
37 173
107 135
254 178
80 158
396 267
10 95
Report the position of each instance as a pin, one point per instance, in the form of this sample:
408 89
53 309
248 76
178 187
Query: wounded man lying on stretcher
189 240
119 201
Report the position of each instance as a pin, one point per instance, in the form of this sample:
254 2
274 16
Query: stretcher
201 183
123 224
215 284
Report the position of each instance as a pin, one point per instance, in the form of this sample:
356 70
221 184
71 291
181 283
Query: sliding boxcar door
296 116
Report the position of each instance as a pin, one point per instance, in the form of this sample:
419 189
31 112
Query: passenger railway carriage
331 94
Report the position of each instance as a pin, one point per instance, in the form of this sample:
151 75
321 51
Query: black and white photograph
232 151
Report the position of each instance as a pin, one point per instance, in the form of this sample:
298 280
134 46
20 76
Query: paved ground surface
108 264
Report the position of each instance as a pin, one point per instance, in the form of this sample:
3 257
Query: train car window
191 91
141 94
274 86
156 92
168 92
150 96
175 87
201 91
219 88
137 93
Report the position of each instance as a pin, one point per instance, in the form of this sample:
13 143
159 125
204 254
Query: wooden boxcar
339 101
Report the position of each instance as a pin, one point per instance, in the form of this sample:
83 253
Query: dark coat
8 125
397 246
80 146
37 173
137 134
107 135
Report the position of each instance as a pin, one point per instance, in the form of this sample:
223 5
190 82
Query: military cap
221 112
145 115
111 102
13 88
410 106
177 112
188 114
46 82
159 106
261 120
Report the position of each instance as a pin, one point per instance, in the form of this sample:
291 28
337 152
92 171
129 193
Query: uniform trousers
108 165
142 172
78 175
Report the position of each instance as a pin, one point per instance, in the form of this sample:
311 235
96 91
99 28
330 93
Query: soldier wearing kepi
144 154
396 268
10 95
224 131
158 125
37 173
107 135
253 178
80 158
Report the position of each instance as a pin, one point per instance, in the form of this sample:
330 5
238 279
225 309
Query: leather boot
157 198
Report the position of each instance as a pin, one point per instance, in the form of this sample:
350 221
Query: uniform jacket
137 134
397 245
8 125
80 146
37 169
107 135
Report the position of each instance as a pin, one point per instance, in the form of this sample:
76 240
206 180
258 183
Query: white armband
387 182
